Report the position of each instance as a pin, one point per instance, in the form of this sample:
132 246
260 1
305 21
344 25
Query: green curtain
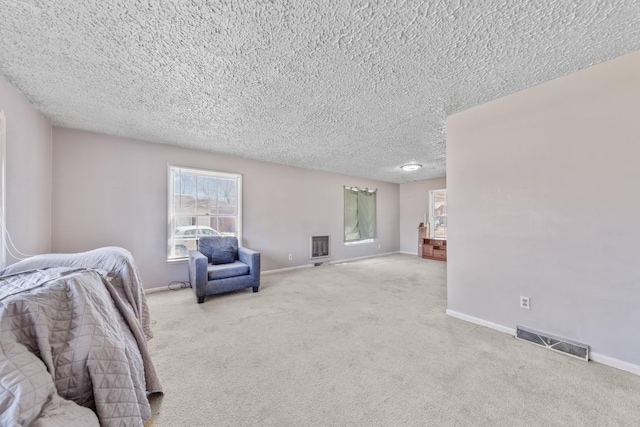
367 214
359 214
351 231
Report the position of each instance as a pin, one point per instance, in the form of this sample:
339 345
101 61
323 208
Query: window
201 203
438 213
359 215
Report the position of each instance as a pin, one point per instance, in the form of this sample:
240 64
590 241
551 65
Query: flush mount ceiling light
411 167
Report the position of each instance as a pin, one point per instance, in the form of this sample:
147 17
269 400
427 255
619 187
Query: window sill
359 242
177 260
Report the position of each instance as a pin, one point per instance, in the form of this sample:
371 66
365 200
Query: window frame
170 202
432 216
344 217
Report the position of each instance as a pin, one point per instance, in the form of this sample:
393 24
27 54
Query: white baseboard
481 322
154 290
594 357
340 261
409 253
614 363
280 270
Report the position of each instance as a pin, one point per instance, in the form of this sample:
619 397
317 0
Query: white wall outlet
525 303
379 245
290 257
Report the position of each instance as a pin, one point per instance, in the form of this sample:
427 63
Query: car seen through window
186 237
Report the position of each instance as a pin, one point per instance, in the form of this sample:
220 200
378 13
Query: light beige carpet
365 343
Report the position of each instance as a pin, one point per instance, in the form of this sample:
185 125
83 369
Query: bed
73 342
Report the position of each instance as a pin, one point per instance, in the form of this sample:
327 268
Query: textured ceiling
353 87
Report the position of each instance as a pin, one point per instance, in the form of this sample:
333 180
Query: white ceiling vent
319 247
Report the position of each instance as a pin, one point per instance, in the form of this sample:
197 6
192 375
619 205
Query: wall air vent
561 345
319 247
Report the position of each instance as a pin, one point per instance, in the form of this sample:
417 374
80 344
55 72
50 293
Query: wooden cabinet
431 248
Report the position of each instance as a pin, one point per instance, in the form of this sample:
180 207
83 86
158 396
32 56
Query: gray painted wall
113 191
414 203
543 201
28 173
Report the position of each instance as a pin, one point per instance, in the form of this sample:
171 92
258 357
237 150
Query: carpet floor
365 343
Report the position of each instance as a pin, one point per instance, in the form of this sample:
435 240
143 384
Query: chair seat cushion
224 271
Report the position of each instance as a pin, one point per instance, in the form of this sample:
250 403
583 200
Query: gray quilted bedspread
71 351
121 270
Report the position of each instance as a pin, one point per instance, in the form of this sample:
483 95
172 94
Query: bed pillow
222 255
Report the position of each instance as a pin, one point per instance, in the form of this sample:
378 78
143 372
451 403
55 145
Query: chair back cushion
219 249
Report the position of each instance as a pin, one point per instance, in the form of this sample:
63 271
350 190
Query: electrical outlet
290 257
378 245
525 303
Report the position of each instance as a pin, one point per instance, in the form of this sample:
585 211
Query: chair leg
200 300
255 289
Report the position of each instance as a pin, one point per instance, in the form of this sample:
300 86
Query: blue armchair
219 265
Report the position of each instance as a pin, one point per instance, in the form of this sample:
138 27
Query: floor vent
319 247
561 345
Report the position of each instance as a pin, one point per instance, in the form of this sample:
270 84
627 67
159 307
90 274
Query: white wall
543 201
414 203
28 173
113 191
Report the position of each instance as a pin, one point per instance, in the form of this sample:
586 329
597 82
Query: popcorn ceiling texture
357 88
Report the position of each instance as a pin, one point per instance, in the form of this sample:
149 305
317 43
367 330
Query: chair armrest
198 272
252 259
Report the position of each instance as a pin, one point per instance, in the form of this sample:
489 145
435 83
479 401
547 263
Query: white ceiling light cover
410 167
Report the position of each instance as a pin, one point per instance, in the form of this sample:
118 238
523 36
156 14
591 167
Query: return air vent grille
561 345
319 247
